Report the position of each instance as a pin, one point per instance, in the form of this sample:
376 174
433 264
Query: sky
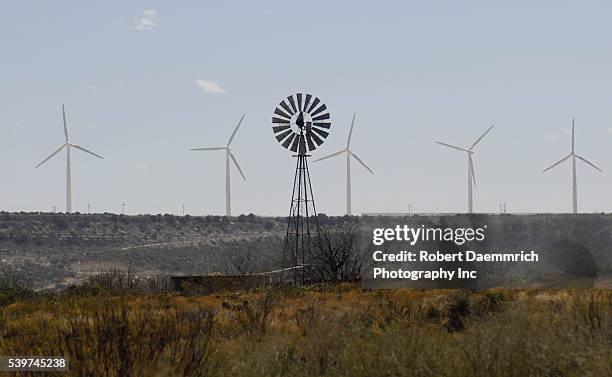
143 81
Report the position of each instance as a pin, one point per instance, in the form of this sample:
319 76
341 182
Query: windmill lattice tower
301 123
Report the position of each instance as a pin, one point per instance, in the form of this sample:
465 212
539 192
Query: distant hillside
50 250
53 250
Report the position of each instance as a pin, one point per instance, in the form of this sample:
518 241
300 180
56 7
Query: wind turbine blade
330 156
207 149
481 136
235 130
238 166
452 146
557 163
472 168
65 124
86 151
348 142
52 154
361 162
573 138
588 162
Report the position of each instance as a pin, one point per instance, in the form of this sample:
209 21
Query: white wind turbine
471 177
228 155
67 145
574 156
349 153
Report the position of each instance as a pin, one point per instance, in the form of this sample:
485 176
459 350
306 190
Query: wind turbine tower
471 177
574 156
228 155
67 145
349 154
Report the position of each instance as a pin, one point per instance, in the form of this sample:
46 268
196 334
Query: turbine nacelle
572 154
347 150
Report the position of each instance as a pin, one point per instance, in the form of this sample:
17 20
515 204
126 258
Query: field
95 288
321 330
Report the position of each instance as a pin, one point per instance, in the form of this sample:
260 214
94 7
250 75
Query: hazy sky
413 72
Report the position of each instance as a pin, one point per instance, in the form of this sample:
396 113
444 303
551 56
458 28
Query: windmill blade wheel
301 123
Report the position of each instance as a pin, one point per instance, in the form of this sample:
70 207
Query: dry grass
319 331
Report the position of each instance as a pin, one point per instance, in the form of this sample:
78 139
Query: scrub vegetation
113 326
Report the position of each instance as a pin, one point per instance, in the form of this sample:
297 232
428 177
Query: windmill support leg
307 271
288 257
299 225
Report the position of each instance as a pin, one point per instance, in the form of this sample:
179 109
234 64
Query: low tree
241 262
337 254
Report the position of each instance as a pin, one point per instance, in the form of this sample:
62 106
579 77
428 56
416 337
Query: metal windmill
301 123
